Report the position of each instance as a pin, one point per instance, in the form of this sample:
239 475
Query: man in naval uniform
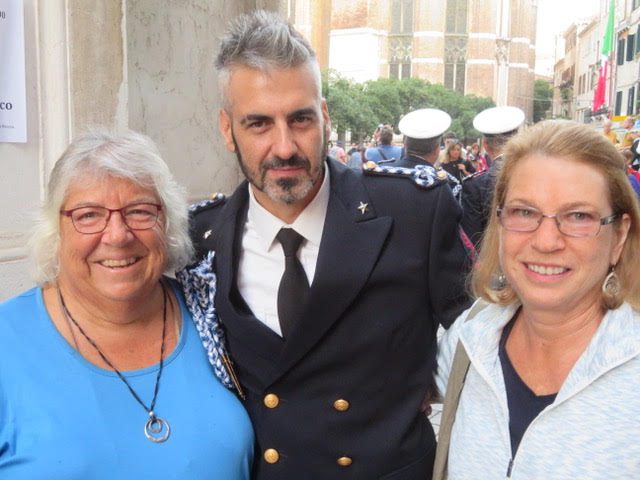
422 130
337 392
498 125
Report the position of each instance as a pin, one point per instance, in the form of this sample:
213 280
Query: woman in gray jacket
552 387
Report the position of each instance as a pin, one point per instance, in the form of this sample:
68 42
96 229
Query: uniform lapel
225 236
352 240
241 326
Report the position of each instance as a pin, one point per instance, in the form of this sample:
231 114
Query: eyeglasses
572 223
137 216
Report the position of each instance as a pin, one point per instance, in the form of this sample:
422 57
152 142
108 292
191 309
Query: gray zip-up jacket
591 430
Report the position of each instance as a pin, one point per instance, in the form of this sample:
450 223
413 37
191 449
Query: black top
524 405
452 168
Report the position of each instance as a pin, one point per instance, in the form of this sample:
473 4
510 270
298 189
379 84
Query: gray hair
128 155
262 40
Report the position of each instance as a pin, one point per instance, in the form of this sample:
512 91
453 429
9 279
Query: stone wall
144 64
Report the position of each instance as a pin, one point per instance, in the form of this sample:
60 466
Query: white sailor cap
498 120
424 123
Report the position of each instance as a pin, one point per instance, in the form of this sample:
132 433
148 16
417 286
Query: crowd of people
289 331
456 158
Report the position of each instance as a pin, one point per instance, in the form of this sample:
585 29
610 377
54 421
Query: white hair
128 155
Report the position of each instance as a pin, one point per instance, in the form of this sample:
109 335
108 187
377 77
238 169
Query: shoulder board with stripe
475 175
215 200
425 176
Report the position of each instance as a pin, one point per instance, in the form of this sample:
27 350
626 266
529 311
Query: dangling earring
611 285
498 281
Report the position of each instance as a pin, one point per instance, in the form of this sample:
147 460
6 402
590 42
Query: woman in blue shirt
102 371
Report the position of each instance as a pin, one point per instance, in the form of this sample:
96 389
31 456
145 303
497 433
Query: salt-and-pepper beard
283 190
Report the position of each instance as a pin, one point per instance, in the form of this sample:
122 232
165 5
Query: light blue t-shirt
389 151
63 418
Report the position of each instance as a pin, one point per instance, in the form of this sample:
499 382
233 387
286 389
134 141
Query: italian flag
607 48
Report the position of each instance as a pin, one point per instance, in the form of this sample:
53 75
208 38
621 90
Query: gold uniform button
341 405
344 461
271 400
271 455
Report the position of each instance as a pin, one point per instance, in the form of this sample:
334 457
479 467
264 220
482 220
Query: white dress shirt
261 262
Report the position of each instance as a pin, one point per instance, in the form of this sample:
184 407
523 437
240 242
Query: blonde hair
446 158
578 142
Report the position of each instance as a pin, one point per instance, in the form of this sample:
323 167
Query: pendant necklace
156 429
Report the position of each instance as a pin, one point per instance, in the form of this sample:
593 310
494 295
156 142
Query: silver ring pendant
156 429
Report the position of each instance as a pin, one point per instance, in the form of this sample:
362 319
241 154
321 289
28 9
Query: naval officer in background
497 125
422 130
329 289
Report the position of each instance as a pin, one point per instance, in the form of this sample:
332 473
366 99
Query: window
401 38
400 70
402 16
457 16
630 47
580 85
449 74
455 45
393 70
620 59
460 77
636 4
637 41
631 100
618 106
406 70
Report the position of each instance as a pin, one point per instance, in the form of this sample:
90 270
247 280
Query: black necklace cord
149 410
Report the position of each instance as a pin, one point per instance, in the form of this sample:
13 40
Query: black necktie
294 286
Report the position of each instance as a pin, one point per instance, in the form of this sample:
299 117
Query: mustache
293 161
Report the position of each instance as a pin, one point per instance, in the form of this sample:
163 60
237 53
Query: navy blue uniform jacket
477 195
384 281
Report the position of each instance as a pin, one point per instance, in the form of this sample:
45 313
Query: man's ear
226 129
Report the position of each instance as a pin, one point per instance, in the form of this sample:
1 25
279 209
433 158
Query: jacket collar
616 341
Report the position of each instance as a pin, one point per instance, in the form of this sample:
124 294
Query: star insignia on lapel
207 234
363 207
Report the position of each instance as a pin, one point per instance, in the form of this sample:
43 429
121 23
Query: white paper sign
13 98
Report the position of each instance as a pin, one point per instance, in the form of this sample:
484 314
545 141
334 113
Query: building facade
626 60
586 71
578 66
485 48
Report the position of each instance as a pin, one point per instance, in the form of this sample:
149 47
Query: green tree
383 99
542 96
347 105
360 107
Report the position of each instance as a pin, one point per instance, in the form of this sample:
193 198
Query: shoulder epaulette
454 183
386 160
425 176
215 200
475 175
